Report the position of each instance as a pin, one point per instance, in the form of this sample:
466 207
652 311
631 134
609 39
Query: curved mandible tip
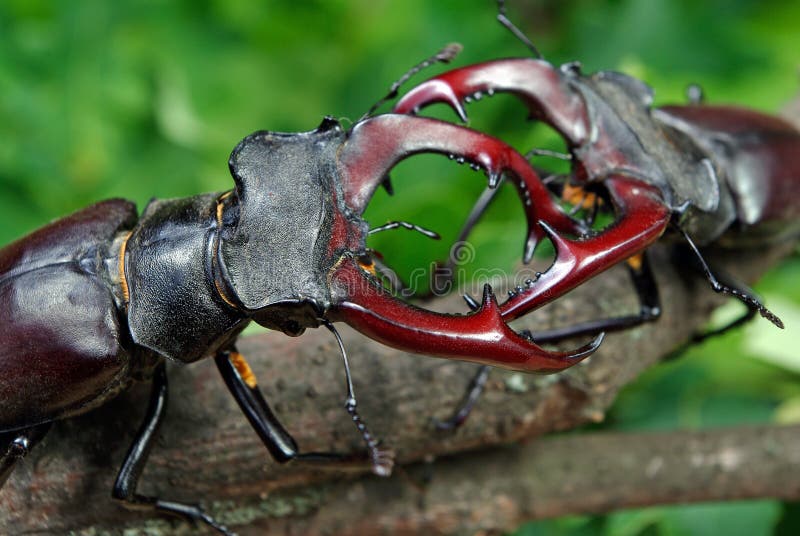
642 216
481 336
545 89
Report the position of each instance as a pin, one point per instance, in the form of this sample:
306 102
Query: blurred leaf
570 525
753 518
789 524
777 347
788 412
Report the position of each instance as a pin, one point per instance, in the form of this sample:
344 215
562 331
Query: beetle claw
556 97
482 336
382 461
436 92
643 218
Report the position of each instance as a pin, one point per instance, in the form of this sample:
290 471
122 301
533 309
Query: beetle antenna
474 388
406 225
547 152
445 55
382 459
501 16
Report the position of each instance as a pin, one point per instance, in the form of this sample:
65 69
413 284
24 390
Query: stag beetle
717 175
104 297
88 302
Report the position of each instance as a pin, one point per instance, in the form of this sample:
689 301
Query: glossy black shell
61 340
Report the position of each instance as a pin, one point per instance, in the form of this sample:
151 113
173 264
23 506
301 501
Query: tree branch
497 490
208 452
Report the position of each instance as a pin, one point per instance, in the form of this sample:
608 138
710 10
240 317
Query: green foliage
753 518
143 98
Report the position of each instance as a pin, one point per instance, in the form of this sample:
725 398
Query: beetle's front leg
241 382
136 458
649 310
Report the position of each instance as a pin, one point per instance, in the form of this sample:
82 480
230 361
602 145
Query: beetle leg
649 309
471 395
442 276
747 316
243 386
136 458
473 392
745 296
443 273
17 445
544 88
241 382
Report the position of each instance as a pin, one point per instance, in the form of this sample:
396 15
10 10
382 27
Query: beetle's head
278 229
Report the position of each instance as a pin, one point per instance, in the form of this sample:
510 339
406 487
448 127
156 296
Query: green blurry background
146 98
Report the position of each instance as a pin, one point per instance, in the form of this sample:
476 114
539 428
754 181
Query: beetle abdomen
59 329
760 155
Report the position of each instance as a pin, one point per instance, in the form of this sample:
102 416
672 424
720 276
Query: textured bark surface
495 491
208 453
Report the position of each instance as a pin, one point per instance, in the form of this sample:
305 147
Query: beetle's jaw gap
371 149
551 95
375 145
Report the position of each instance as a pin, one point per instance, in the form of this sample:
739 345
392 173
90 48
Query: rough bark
495 491
208 452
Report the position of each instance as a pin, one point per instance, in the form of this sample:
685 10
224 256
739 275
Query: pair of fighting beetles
87 303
